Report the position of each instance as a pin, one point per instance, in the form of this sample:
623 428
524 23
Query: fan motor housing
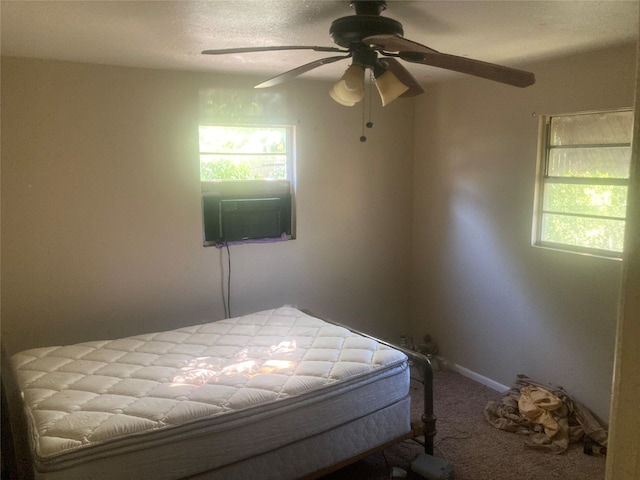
346 31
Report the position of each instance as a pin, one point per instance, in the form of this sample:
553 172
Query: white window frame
543 179
289 154
259 186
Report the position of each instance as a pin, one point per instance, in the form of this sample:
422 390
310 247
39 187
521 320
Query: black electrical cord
228 307
226 299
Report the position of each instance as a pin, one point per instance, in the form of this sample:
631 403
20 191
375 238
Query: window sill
593 254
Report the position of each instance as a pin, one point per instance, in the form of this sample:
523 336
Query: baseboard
444 363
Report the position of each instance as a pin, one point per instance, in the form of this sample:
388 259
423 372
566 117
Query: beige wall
101 214
101 230
623 458
495 304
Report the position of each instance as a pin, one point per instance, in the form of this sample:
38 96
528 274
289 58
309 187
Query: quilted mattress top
96 392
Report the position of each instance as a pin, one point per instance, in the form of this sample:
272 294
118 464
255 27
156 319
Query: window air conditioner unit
232 219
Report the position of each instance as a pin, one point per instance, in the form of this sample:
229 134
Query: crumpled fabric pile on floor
546 414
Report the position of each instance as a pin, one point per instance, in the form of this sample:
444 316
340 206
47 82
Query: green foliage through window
583 189
243 153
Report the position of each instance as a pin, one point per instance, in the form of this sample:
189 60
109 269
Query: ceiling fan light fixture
334 95
349 90
389 87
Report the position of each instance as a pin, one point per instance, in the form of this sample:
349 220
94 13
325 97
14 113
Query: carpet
477 450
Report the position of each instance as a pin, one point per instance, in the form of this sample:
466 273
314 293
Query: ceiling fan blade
225 51
490 71
417 53
404 76
283 77
395 43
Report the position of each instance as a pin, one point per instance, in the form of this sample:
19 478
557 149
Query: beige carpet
476 450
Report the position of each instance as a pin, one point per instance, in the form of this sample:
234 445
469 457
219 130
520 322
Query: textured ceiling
171 34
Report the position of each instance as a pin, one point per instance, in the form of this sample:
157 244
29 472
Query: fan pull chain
369 124
362 137
371 80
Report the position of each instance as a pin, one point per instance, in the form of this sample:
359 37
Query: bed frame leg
428 418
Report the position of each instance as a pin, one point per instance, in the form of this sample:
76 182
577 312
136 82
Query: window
581 195
245 153
247 177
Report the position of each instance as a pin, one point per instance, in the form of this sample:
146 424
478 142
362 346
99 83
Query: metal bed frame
423 364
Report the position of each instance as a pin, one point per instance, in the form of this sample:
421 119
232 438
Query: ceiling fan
366 35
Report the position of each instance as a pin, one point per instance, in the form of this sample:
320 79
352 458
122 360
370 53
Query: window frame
543 179
289 153
256 188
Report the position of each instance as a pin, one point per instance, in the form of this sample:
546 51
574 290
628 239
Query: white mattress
204 398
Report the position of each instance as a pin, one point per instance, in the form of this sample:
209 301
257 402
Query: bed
277 394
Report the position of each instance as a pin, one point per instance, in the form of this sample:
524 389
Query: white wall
495 304
101 214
